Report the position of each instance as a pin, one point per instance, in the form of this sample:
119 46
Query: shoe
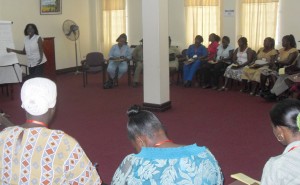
270 97
135 84
206 86
244 90
188 84
109 84
214 88
223 89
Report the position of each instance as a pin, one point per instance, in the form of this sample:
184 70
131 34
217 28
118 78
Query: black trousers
36 71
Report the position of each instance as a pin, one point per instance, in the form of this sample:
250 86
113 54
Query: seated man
32 153
137 56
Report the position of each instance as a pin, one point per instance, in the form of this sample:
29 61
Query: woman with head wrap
44 156
161 161
119 55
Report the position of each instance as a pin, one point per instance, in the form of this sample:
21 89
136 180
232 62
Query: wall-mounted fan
71 31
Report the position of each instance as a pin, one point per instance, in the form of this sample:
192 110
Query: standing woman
196 53
284 169
33 49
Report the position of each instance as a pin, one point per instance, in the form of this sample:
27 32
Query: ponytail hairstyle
286 113
142 122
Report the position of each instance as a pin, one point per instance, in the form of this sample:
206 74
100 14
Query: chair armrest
83 62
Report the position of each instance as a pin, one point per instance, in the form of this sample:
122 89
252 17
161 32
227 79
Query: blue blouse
116 51
186 165
201 51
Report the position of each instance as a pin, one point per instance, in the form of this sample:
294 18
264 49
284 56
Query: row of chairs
95 63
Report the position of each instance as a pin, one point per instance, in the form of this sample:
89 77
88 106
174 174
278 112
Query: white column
156 55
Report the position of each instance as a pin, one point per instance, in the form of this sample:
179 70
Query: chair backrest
184 52
95 59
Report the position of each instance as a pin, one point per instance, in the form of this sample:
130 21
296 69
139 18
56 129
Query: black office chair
94 63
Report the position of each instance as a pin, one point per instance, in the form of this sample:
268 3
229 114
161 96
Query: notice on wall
228 13
6 41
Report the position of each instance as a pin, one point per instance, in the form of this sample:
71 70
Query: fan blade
73 28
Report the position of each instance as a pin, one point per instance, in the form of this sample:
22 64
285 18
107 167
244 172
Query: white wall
24 12
84 13
289 20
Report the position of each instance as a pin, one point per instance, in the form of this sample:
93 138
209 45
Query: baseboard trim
67 70
157 107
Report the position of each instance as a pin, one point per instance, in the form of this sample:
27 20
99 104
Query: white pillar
156 55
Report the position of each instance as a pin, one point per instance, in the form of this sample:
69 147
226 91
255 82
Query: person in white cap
32 153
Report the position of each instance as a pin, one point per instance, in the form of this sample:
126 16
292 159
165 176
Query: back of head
142 122
38 95
199 37
286 113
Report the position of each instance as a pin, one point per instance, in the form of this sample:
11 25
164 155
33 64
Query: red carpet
234 126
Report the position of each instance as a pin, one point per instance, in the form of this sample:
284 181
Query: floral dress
187 165
242 57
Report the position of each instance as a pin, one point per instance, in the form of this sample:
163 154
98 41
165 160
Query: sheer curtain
113 22
258 21
202 18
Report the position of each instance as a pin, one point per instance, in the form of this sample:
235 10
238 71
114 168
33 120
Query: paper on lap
245 179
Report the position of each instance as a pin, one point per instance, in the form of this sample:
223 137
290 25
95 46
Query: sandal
223 89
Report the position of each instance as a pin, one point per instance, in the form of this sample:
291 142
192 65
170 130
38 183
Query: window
258 21
202 18
114 22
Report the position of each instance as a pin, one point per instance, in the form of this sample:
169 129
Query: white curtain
113 22
202 18
258 21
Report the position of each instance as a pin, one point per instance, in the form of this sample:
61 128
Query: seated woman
285 168
287 62
242 56
161 161
221 62
119 55
207 61
265 56
195 53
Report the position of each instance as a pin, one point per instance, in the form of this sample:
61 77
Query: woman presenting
33 49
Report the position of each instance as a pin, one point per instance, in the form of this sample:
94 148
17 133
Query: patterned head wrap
38 95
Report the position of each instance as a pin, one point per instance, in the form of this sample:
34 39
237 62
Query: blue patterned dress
187 165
